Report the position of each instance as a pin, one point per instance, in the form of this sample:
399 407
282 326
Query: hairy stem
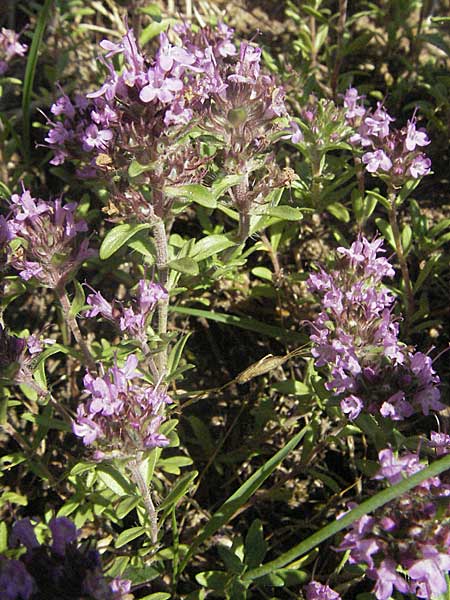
243 205
162 259
73 325
338 56
401 258
134 466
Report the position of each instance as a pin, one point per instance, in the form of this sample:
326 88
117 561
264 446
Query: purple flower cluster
9 48
61 569
395 155
356 337
410 536
123 414
144 112
135 318
320 591
50 249
17 356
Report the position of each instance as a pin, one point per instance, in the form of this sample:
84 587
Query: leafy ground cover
224 241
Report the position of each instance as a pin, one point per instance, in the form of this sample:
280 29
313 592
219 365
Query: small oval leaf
119 236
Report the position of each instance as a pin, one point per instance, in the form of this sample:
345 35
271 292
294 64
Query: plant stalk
136 475
392 213
73 325
162 259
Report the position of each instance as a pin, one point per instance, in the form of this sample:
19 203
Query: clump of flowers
320 591
62 569
17 358
9 48
393 154
405 544
356 337
139 123
135 318
123 414
47 245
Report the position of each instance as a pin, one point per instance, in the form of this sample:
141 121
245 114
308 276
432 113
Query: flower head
123 413
51 248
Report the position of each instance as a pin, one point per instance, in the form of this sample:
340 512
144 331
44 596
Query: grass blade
244 323
366 507
30 72
240 496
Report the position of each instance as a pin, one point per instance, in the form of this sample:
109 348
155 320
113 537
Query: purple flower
354 109
100 306
440 441
51 252
319 591
352 406
23 533
356 337
15 581
415 137
378 123
420 166
377 160
386 579
395 468
169 56
430 571
123 412
9 48
160 87
64 533
96 138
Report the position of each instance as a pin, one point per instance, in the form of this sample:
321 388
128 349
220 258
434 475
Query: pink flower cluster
123 414
61 569
319 591
132 319
144 112
9 48
356 337
394 154
409 536
50 247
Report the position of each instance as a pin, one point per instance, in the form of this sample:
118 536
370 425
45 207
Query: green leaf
79 299
182 486
406 236
176 353
157 596
135 169
211 245
129 535
152 30
293 387
339 211
3 537
222 185
174 463
126 506
214 580
184 265
119 236
114 480
365 508
241 495
255 545
386 230
243 323
232 562
194 192
283 212
30 71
